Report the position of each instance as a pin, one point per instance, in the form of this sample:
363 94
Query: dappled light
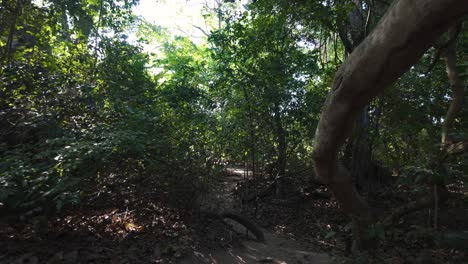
233 131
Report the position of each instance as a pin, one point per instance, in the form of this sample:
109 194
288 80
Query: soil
137 226
307 214
277 248
141 224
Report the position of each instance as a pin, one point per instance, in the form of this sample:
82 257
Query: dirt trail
276 249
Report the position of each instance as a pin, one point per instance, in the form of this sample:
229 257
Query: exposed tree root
249 225
258 233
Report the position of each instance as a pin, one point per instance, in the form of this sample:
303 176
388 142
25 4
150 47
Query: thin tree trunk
11 34
450 57
282 159
252 136
449 53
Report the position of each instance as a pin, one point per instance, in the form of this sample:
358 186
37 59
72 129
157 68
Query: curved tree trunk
398 41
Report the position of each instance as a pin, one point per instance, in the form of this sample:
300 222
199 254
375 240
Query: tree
352 31
71 99
405 32
264 86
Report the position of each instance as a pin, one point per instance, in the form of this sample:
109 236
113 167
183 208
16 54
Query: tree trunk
253 149
449 53
282 159
252 135
11 34
450 56
398 41
358 158
360 151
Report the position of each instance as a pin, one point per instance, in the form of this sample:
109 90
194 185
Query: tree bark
449 53
11 34
360 151
450 56
358 159
398 41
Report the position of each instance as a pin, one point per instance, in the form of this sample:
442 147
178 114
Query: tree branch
398 41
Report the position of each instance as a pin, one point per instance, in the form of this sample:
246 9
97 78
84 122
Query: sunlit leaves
53 131
261 72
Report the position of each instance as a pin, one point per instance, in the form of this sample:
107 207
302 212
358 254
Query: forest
290 131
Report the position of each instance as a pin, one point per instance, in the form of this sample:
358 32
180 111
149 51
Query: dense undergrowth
102 142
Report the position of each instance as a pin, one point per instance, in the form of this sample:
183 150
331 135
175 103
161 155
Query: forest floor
240 247
308 213
136 225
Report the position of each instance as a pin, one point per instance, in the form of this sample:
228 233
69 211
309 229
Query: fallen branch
456 148
413 206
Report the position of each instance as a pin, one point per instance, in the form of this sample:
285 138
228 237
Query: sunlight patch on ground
238 172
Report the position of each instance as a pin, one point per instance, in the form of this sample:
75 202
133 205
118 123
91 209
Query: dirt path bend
276 249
